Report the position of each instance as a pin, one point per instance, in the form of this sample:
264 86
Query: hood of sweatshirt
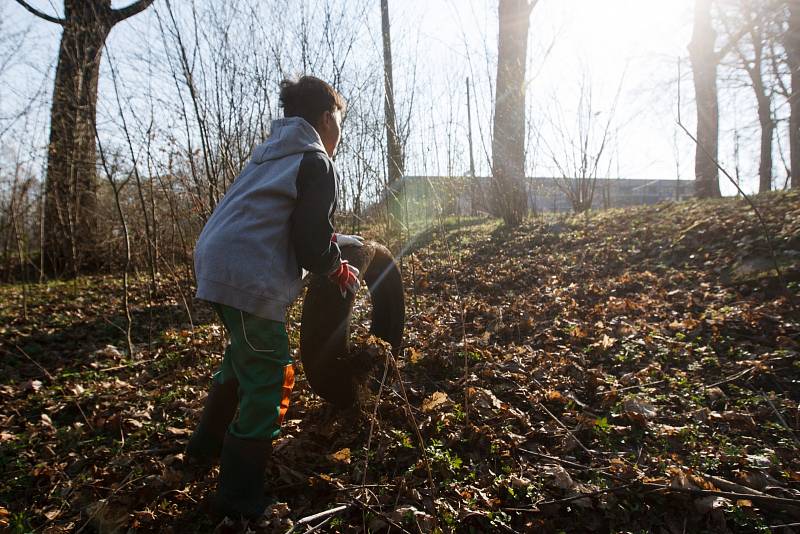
291 135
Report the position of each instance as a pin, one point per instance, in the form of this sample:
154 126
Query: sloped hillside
626 371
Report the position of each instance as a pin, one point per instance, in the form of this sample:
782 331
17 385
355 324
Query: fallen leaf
110 352
133 424
553 395
681 481
410 515
279 509
341 456
607 342
708 504
669 430
738 418
483 399
640 407
518 482
107 518
437 400
762 461
31 385
559 477
715 394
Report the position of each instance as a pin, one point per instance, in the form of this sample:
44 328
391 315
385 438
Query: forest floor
626 371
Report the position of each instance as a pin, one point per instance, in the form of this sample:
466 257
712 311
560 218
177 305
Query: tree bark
704 61
394 152
792 45
508 140
70 220
767 135
70 236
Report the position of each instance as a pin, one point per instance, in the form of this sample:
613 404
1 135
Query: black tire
325 324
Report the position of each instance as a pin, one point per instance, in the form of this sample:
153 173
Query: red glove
346 277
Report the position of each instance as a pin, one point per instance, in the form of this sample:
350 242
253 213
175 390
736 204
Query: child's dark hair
309 98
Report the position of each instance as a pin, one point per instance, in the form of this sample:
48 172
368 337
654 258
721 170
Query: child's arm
312 226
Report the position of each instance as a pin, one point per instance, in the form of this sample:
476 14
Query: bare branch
733 40
41 15
118 15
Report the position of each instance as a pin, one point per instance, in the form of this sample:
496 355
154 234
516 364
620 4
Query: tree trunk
394 149
764 101
508 140
70 215
704 68
767 134
792 45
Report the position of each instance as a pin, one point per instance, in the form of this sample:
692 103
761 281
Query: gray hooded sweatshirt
275 219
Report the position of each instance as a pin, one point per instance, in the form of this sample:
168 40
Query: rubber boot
205 445
241 478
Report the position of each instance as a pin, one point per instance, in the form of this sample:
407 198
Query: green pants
257 356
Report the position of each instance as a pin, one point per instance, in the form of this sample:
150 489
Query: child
275 219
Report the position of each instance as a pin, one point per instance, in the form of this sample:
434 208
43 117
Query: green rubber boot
205 445
241 478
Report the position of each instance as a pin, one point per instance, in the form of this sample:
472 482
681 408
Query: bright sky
636 43
446 40
602 40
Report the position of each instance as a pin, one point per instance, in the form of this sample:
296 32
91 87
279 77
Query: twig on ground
727 485
648 384
572 498
125 365
317 516
77 404
45 371
413 422
557 459
184 492
111 323
159 450
777 414
381 515
318 526
374 418
731 378
362 486
499 525
562 425
574 464
767 499
125 482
